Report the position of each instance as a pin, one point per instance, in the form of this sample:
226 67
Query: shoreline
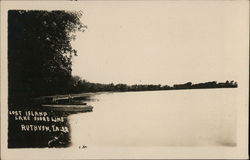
88 94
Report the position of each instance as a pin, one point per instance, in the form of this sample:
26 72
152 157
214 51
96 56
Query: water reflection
38 126
159 118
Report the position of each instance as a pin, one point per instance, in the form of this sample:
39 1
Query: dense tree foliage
39 51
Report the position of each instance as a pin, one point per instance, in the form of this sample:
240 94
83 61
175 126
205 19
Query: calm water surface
205 117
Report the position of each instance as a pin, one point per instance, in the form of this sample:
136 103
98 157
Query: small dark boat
67 103
68 108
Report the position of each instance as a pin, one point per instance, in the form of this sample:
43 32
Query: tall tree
40 52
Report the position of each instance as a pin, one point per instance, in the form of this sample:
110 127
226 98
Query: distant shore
87 95
84 86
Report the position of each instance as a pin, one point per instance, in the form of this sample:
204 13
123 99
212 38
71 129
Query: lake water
201 117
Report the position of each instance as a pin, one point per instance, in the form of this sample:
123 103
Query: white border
241 151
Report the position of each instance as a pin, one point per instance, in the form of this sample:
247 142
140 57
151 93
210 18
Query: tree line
79 85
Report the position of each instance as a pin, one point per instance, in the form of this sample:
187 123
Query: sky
162 42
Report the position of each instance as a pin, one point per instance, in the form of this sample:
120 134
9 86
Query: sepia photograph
125 79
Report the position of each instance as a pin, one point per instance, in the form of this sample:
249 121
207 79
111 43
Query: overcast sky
161 42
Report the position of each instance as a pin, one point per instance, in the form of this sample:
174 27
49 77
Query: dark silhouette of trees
39 51
183 86
214 84
81 86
